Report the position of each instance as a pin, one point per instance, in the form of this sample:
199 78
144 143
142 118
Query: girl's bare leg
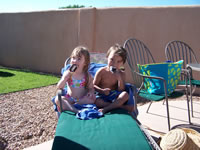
65 105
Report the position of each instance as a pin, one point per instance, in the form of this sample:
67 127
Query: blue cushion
168 70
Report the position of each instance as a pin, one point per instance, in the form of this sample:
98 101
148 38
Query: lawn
12 80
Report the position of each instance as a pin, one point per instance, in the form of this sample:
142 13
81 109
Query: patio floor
155 121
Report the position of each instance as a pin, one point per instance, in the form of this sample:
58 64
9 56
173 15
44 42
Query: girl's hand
66 75
106 91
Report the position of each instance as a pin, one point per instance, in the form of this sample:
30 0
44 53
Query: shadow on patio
155 121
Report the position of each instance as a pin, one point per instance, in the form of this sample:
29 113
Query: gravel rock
27 118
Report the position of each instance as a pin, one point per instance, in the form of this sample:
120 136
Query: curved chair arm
59 94
151 77
186 72
67 61
165 90
187 75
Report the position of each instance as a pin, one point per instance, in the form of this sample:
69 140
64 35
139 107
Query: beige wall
38 41
41 41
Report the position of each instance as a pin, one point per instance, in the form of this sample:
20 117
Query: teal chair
138 53
178 50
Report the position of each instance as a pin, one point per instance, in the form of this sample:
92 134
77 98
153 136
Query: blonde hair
118 50
79 52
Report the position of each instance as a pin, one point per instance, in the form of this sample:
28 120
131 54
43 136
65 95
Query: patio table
195 67
191 67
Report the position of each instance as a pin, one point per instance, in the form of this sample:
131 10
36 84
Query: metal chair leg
191 101
188 111
163 102
168 118
167 105
149 107
188 107
188 103
59 93
192 91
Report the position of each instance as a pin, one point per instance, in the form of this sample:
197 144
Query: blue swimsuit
109 98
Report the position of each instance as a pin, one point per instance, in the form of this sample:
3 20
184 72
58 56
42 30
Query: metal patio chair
138 53
178 50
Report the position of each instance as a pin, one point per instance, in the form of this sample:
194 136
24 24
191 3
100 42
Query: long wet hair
79 52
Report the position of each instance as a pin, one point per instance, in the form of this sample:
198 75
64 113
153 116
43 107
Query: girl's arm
63 80
91 85
97 80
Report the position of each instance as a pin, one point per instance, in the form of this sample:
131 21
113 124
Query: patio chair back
178 50
138 53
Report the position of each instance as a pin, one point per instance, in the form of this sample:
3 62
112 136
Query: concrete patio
155 121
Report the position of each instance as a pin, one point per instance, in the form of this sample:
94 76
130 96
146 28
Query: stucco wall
37 41
41 41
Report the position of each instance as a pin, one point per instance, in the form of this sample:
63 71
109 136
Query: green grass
12 80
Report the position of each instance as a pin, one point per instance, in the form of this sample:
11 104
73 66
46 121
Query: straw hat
181 139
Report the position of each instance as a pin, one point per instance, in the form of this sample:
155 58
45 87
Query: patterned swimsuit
75 84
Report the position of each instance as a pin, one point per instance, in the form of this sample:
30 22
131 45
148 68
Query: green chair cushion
182 82
153 97
115 131
176 94
194 82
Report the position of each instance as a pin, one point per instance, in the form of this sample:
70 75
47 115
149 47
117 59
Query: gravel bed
27 118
